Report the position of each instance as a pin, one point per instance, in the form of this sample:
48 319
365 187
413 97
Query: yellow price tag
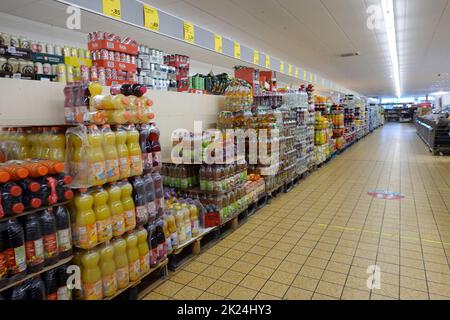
311 77
296 72
151 18
111 8
289 69
256 57
281 66
267 61
218 46
189 33
237 50
304 75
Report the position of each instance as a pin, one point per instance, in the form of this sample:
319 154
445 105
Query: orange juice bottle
134 264
187 221
134 151
23 144
172 226
128 205
43 140
91 276
102 215
111 157
96 157
78 160
57 144
35 150
108 270
144 251
193 213
117 211
121 261
181 227
167 234
85 223
122 152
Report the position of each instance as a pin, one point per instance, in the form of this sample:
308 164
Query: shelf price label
189 32
237 50
255 57
151 18
218 44
311 77
281 66
267 61
289 69
111 8
296 72
304 75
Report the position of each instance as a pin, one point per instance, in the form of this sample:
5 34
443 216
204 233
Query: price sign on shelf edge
112 8
255 57
237 50
290 70
189 33
218 43
267 61
151 18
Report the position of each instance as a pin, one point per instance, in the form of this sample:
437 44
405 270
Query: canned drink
145 64
76 73
118 56
111 55
114 74
42 47
84 74
47 68
108 74
87 54
102 55
66 52
139 63
58 50
61 73
14 41
38 68
122 57
50 49
4 39
4 66
102 76
81 53
74 52
54 69
69 74
24 43
127 58
133 59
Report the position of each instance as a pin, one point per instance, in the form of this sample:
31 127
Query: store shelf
6 218
192 240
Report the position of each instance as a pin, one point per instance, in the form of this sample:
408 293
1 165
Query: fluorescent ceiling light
439 93
389 21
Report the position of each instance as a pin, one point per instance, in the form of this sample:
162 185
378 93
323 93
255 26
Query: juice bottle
84 229
128 205
216 178
14 242
147 161
63 292
78 160
134 267
111 156
161 240
202 178
36 289
53 166
34 138
121 261
187 221
209 179
43 139
91 276
144 252
96 157
193 213
167 232
23 144
35 169
4 176
63 232
159 193
153 137
117 211
150 197
108 270
153 244
57 144
34 244
16 172
50 237
134 151
172 227
51 284
102 215
140 200
122 152
183 177
181 227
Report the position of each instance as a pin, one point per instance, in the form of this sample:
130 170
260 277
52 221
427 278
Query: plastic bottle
193 213
102 215
108 270
128 205
96 157
140 200
172 227
16 172
144 251
150 197
51 284
161 240
50 236
209 179
180 223
11 199
34 244
167 232
84 230
159 193
57 144
134 267
30 195
117 211
79 167
14 242
147 161
4 176
202 178
187 221
111 156
36 289
122 152
43 139
63 293
91 276
153 137
63 191
121 262
63 232
35 148
134 151
23 144
153 244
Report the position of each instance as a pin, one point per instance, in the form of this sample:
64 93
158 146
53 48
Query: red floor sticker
386 195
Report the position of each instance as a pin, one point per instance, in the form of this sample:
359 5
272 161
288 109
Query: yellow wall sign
111 8
311 77
281 66
151 18
218 46
237 50
267 61
296 72
189 33
304 75
255 57
289 69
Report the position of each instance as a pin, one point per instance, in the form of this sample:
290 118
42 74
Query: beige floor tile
241 293
168 288
210 296
207 258
263 296
196 267
338 267
270 262
283 277
155 296
354 294
329 289
409 294
201 282
334 277
439 289
311 272
188 293
319 296
415 284
262 272
243 267
298 294
253 282
224 262
357 283
233 254
221 288
274 288
388 290
183 277
251 257
296 258
412 273
233 277
305 283
375 296
290 267
213 272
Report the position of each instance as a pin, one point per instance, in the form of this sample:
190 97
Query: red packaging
212 219
112 56
118 56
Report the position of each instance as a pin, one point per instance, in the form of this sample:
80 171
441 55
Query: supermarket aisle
318 241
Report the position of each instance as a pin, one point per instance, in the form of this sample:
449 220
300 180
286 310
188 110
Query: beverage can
38 68
69 74
111 55
58 50
81 53
14 41
84 74
14 65
54 69
46 68
50 48
61 73
66 51
74 52
24 43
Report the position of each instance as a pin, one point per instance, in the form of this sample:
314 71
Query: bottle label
3 265
181 234
93 291
224 185
141 215
136 165
154 257
109 284
145 262
98 171
203 185
124 167
104 230
75 238
135 270
195 225
50 245
161 251
34 252
157 158
151 207
52 296
188 231
150 160
168 245
210 186
64 240
118 224
81 172
112 169
16 260
64 294
217 186
174 240
184 183
87 236
68 115
123 276
130 220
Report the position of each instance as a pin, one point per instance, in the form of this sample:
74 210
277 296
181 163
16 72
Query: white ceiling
313 33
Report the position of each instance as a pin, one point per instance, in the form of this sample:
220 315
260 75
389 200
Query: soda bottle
84 222
134 151
116 208
49 234
36 289
121 262
153 244
140 200
108 270
183 177
111 156
63 232
16 172
122 152
51 284
43 139
23 144
187 221
4 176
159 194
134 267
57 144
102 215
79 168
63 190
147 161
167 232
144 252
209 179
150 197
12 202
128 204
30 196
54 167
19 292
155 146
172 226
34 244
193 212
63 293
96 157
48 190
161 240
216 174
202 178
91 276
14 242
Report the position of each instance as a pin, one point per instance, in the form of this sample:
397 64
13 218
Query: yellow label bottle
57 144
144 251
102 215
111 156
97 168
122 152
85 221
134 151
134 266
128 205
108 270
116 208
91 276
121 261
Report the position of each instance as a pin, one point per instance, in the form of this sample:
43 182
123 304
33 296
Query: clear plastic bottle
144 251
116 208
91 275
108 270
102 215
121 262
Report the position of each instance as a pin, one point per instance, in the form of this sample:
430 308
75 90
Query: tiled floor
318 241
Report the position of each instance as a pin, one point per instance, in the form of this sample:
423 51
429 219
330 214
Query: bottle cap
15 191
42 170
67 179
18 208
58 167
4 176
21 172
68 195
34 186
35 203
